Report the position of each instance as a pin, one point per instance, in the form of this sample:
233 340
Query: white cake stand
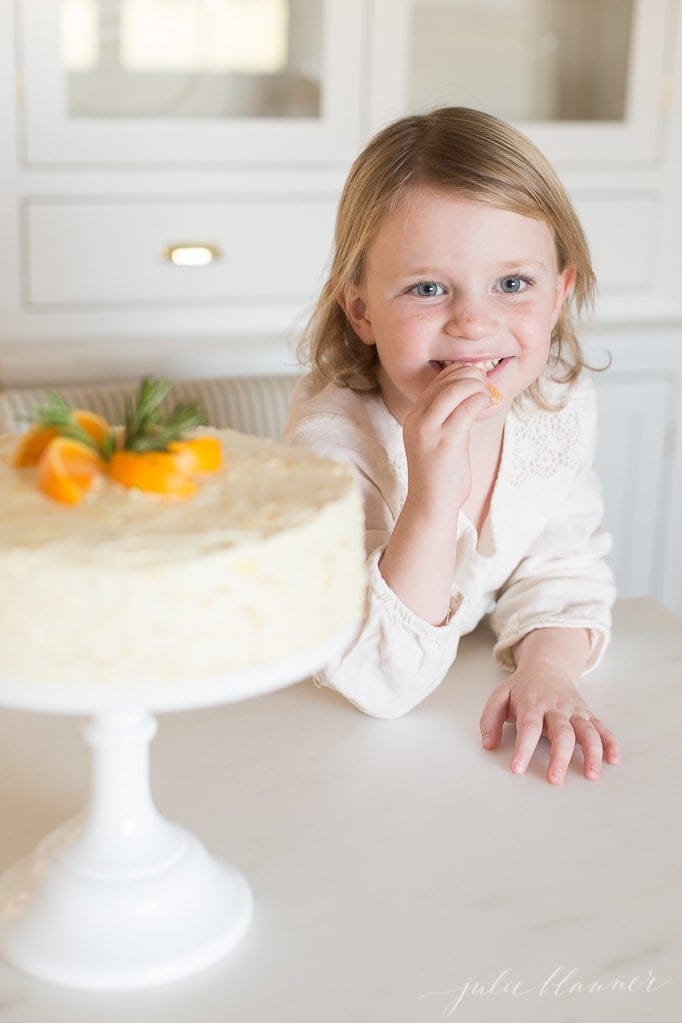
119 897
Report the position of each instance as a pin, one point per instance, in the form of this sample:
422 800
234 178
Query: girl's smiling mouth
487 365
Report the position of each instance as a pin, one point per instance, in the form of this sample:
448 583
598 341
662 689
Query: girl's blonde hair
460 151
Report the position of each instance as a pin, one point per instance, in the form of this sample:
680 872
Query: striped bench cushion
256 405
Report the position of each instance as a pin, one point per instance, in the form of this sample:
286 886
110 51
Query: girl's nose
469 321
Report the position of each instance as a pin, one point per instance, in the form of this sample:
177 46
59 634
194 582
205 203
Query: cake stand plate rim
97 698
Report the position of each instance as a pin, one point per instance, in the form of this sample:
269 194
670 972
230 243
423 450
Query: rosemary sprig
55 413
147 428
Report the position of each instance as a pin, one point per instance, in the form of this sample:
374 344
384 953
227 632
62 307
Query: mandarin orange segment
35 440
66 470
158 472
495 395
95 426
32 444
199 454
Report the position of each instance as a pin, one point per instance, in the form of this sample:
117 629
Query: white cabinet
632 461
144 105
176 115
639 456
113 252
594 83
112 83
137 125
587 80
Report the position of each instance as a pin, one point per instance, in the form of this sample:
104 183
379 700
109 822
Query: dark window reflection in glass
192 58
563 60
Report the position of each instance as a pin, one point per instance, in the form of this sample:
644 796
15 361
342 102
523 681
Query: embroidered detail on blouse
546 443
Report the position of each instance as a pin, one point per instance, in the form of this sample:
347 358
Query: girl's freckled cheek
525 312
418 316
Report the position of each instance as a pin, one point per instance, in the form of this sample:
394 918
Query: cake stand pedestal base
120 897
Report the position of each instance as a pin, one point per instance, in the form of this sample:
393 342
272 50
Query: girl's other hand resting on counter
541 697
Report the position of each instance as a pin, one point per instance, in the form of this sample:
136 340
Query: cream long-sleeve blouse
537 563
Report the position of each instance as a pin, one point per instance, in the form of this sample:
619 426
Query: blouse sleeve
563 579
397 658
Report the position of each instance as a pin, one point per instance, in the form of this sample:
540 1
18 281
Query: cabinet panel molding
622 231
631 462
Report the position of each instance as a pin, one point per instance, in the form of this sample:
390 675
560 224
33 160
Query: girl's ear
355 307
564 286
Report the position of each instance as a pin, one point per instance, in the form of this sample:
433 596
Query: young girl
447 372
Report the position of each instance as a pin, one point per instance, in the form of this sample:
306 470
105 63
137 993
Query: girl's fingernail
487 739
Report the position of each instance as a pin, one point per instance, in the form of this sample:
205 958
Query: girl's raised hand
418 562
437 434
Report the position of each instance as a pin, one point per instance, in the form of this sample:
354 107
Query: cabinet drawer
112 252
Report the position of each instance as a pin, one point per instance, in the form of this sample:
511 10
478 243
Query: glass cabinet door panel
530 60
111 82
192 58
583 78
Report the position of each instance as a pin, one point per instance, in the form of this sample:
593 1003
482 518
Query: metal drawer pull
192 254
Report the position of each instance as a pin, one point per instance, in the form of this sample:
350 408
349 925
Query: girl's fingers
494 716
609 742
465 414
589 738
562 738
528 734
449 391
442 382
591 734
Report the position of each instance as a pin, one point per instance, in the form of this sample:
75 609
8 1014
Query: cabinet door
632 464
190 82
584 79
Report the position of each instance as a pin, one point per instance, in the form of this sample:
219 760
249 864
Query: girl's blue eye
428 289
513 284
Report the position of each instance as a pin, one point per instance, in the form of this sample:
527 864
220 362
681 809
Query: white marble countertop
397 866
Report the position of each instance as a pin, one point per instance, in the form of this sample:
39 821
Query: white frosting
266 561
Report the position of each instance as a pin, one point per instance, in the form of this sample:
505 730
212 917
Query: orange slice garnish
32 444
157 472
66 469
96 426
34 441
199 454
